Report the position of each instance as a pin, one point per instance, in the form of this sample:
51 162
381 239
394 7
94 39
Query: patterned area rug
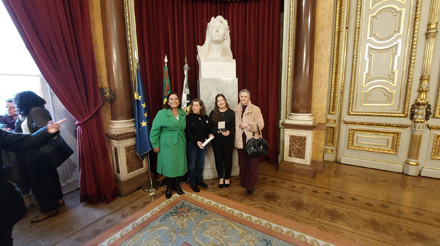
206 219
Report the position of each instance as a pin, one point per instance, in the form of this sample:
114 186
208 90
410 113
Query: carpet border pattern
240 214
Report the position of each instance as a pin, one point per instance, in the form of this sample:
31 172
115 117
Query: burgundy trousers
248 169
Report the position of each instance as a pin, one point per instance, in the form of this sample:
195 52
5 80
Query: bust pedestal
217 76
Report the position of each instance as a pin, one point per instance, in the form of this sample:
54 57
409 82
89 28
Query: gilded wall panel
372 140
436 148
322 62
339 53
330 136
381 59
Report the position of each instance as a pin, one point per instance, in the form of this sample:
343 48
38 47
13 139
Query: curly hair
216 111
202 110
27 100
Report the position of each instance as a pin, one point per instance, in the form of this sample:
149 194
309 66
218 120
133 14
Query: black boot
178 189
169 190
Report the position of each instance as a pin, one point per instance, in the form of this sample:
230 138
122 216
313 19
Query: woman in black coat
42 177
197 131
12 208
222 121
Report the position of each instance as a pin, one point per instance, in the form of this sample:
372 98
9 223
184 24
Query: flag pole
152 186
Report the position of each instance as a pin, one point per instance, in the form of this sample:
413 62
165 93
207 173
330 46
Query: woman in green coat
168 139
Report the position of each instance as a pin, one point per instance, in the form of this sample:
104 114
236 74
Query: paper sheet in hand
207 141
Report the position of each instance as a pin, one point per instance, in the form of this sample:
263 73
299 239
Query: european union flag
142 116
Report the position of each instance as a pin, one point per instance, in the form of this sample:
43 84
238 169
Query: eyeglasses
10 107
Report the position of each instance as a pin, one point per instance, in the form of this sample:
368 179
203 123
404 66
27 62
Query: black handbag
56 152
257 147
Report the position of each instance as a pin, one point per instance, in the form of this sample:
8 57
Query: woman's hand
200 145
244 125
53 127
226 133
156 150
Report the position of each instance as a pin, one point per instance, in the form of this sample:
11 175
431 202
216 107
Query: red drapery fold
176 27
58 35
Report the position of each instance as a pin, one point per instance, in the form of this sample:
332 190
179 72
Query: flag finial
166 61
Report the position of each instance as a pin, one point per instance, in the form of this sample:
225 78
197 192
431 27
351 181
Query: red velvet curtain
58 35
175 28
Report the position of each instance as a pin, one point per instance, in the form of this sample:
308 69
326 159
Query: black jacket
12 208
197 128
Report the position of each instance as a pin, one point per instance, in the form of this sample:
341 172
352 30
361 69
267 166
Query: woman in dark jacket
222 120
197 130
12 208
43 178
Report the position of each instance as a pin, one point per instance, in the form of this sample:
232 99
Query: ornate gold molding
289 59
411 64
422 98
433 127
330 136
129 43
435 147
395 140
328 151
376 124
338 63
331 121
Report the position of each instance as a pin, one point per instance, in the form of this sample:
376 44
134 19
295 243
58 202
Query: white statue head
218 41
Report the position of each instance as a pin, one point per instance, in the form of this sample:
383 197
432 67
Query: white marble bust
218 41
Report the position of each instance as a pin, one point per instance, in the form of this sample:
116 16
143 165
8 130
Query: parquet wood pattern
368 206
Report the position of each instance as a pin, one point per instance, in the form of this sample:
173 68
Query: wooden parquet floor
368 206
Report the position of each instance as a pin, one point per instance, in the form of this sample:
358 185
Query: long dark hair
216 112
202 111
168 99
28 100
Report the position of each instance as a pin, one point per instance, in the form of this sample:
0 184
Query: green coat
168 133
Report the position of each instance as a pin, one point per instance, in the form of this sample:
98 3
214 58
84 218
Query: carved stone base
128 186
303 149
128 168
209 88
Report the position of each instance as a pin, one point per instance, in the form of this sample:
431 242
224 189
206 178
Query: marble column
299 127
302 84
130 171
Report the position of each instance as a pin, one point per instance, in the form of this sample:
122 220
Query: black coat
12 208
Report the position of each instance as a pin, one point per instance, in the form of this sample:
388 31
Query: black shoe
168 192
177 186
250 192
227 185
195 188
221 185
202 184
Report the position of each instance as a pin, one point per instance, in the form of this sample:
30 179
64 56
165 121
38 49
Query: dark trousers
248 169
44 182
6 236
196 162
223 147
15 171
